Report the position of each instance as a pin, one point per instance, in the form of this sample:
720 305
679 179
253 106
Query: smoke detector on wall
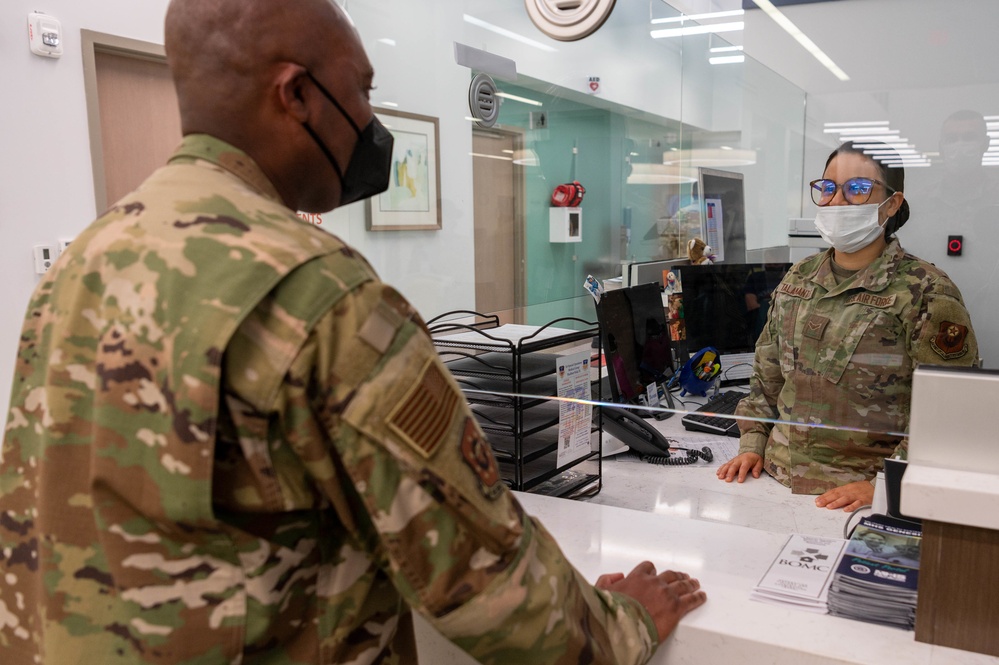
569 20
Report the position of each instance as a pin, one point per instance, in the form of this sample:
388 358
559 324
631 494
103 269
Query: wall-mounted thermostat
44 35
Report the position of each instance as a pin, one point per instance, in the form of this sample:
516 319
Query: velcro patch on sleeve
424 416
951 341
380 327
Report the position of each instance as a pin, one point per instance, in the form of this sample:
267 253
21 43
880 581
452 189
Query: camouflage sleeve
427 496
942 332
765 385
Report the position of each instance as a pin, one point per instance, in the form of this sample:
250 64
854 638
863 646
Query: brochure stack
877 577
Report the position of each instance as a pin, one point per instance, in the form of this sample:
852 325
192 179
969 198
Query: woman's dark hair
894 177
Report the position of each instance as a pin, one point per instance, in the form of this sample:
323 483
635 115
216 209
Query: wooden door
499 255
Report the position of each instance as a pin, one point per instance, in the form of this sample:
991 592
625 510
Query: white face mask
849 228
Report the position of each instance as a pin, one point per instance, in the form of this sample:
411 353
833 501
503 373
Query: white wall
45 171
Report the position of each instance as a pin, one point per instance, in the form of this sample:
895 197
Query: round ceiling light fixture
569 20
482 100
710 157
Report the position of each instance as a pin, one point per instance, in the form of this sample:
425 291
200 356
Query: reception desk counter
726 535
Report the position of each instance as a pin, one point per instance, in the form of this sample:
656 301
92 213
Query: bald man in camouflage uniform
833 366
228 442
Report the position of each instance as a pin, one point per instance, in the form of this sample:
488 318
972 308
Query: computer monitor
635 339
725 306
645 272
723 213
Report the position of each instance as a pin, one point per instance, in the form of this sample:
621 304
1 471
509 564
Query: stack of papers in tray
877 577
800 575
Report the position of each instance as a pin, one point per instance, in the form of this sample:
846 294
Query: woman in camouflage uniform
829 396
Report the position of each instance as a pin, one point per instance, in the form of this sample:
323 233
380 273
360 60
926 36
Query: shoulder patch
424 416
804 292
872 300
951 341
477 455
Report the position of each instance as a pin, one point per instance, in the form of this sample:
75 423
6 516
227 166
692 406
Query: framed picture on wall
413 199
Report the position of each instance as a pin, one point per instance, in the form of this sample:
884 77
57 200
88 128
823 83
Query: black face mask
369 168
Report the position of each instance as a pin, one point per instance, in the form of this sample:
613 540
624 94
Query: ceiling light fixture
485 25
727 59
697 30
710 157
698 17
866 123
801 38
500 157
724 49
522 100
659 174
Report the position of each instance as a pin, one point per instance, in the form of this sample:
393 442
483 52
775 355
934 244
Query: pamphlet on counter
801 573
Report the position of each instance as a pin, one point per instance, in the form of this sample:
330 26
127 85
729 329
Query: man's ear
289 83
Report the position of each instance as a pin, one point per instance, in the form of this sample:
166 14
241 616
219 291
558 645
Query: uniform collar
875 277
216 151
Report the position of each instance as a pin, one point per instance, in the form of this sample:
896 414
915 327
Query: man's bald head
220 51
246 72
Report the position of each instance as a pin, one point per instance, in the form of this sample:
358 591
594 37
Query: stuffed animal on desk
699 252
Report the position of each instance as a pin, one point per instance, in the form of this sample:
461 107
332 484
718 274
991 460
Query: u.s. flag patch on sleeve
425 415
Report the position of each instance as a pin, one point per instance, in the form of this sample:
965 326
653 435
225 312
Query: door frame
92 44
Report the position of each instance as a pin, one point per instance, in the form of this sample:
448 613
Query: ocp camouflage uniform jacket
230 443
842 355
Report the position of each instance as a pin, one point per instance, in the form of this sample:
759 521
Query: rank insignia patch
815 326
951 341
477 454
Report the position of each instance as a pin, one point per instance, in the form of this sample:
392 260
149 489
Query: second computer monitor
723 213
725 306
635 338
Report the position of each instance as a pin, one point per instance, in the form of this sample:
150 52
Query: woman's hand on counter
849 497
741 466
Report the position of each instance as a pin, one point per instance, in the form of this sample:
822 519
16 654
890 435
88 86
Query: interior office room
635 112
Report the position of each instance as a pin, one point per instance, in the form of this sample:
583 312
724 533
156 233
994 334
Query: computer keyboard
724 402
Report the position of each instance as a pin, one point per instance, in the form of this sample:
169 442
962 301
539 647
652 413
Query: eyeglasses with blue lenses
856 191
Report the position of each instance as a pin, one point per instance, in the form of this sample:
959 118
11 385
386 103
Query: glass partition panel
644 120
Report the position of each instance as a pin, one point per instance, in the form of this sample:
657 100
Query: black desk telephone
647 441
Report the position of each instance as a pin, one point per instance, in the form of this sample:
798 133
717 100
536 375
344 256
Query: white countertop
726 535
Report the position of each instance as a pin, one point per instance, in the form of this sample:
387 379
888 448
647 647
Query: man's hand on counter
667 596
741 466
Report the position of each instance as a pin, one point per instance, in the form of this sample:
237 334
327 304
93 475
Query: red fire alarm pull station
954 245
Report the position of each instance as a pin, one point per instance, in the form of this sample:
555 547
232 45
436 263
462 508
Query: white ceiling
881 44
